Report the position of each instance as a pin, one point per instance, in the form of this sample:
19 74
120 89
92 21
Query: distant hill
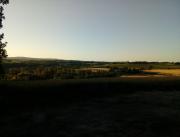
29 58
24 59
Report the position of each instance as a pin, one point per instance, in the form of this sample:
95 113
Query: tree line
47 73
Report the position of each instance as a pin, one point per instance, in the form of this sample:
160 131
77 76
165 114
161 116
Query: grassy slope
127 107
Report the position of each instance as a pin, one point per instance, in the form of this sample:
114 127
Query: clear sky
103 30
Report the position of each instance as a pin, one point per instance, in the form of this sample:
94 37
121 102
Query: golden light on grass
172 72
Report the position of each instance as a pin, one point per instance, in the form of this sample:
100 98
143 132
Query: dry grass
170 72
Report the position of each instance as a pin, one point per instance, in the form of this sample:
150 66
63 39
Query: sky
94 30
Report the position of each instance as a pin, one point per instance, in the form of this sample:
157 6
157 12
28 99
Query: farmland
166 72
74 98
52 69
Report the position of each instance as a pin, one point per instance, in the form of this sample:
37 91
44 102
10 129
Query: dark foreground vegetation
116 107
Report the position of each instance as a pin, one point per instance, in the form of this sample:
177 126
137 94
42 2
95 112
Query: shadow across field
127 107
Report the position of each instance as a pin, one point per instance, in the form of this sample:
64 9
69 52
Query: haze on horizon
101 30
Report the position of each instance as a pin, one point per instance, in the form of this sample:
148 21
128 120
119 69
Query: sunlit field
166 72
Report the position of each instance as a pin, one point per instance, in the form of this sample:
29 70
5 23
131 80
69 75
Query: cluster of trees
41 73
126 70
45 73
29 74
177 63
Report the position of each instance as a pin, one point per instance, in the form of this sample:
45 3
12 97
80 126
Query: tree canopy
4 2
3 53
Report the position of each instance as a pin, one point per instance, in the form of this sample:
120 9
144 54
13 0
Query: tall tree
3 53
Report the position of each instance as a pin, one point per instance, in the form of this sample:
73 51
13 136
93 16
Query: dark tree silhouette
3 53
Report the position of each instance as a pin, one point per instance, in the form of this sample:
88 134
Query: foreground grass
127 107
91 85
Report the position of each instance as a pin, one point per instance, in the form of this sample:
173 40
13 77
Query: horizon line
46 58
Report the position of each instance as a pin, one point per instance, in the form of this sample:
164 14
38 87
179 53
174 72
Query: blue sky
103 30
